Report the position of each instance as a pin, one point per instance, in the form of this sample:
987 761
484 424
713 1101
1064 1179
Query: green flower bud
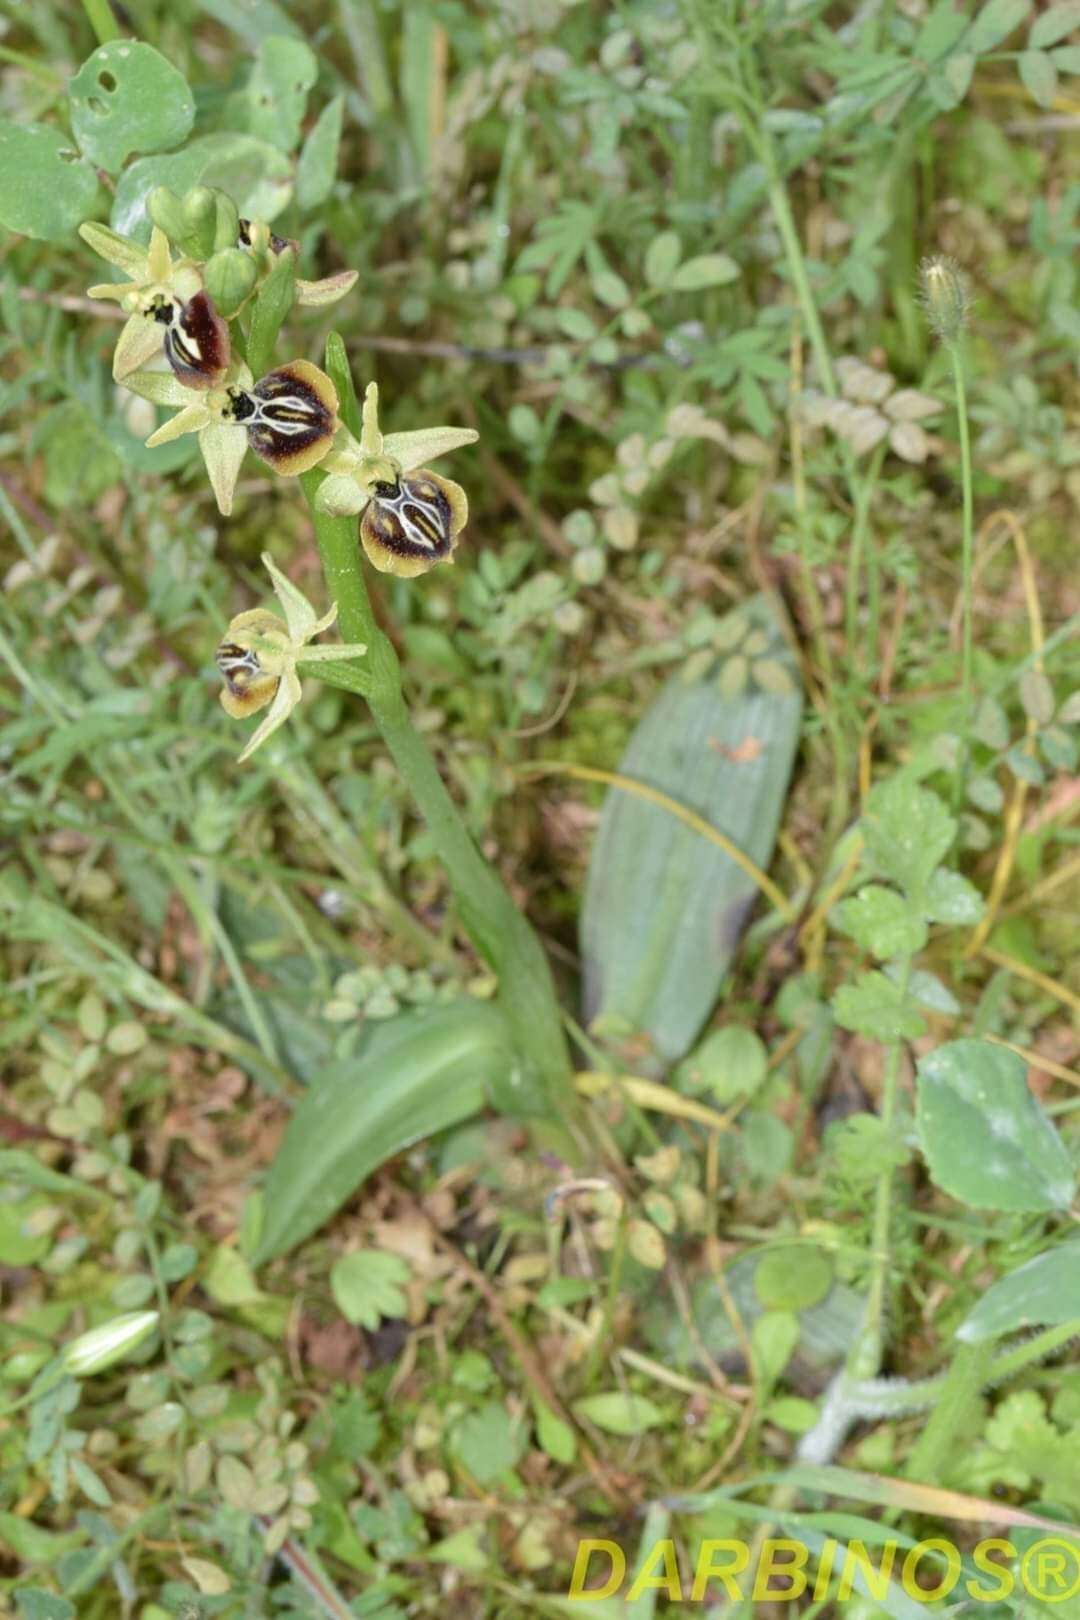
166 211
229 278
92 1352
200 222
227 225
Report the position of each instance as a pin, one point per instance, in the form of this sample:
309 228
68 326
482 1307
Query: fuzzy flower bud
945 297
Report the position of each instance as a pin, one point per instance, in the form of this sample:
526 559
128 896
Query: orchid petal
109 289
299 613
190 420
127 255
140 340
286 698
158 259
412 450
326 291
340 496
371 440
223 446
326 621
163 387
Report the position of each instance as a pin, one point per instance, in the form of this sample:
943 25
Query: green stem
99 14
865 1358
968 553
501 934
965 1378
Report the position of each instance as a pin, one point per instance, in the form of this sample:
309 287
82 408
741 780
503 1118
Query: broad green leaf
1041 81
661 258
707 270
986 1140
664 907
253 20
35 1603
618 1413
950 898
556 1438
46 189
576 324
317 167
487 1443
1054 24
793 1278
876 1007
367 1285
1043 1293
610 289
127 98
1036 693
940 32
271 105
32 1544
991 724
253 173
927 990
415 1074
882 922
907 830
731 1062
994 23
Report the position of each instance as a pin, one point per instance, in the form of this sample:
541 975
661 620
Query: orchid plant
205 302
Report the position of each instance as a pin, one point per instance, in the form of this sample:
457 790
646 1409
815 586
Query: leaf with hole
127 98
271 104
46 189
985 1138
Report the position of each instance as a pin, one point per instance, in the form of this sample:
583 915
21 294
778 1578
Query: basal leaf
986 1140
664 908
1043 1293
416 1074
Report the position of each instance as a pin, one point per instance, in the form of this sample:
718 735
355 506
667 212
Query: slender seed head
945 297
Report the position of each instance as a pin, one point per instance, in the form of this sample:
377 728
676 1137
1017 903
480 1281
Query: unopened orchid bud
167 212
230 277
200 222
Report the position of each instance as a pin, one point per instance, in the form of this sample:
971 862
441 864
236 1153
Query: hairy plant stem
968 1372
100 17
500 932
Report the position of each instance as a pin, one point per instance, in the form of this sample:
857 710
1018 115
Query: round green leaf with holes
127 98
45 187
